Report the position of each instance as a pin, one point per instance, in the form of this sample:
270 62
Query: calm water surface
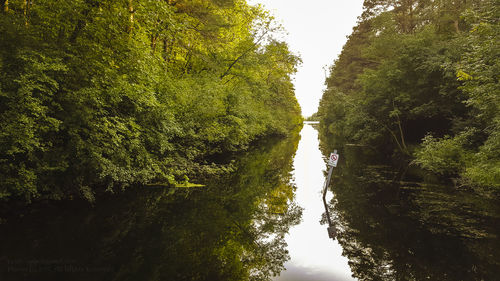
396 222
314 256
262 220
231 229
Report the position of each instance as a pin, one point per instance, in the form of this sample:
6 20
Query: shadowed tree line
418 81
413 105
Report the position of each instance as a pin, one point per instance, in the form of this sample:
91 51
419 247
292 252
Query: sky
317 30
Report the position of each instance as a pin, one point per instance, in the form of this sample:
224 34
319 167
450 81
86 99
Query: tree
101 95
395 87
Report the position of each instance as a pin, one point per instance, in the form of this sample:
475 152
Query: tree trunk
25 12
395 139
153 43
187 65
402 135
403 143
82 22
131 11
455 24
411 20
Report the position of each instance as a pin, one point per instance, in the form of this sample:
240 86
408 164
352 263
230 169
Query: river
262 220
314 256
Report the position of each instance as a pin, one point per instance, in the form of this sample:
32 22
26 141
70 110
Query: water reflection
314 256
396 226
232 229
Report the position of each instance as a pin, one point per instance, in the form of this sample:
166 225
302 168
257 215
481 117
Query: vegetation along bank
419 82
98 95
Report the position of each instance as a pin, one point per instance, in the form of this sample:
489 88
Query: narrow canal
314 256
261 219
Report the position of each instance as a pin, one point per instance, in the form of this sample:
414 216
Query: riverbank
233 228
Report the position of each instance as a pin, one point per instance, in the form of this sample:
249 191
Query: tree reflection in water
394 228
232 229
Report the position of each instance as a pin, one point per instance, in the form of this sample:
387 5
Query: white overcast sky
317 30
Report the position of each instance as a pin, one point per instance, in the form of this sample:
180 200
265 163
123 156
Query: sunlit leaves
98 95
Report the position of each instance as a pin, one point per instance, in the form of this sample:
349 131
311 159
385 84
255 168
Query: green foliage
442 156
478 68
409 72
481 62
99 95
484 168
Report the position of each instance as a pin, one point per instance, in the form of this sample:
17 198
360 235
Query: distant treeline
419 81
96 95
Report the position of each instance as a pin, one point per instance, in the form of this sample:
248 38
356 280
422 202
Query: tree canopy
98 95
418 80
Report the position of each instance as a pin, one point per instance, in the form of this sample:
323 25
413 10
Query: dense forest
97 95
418 81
